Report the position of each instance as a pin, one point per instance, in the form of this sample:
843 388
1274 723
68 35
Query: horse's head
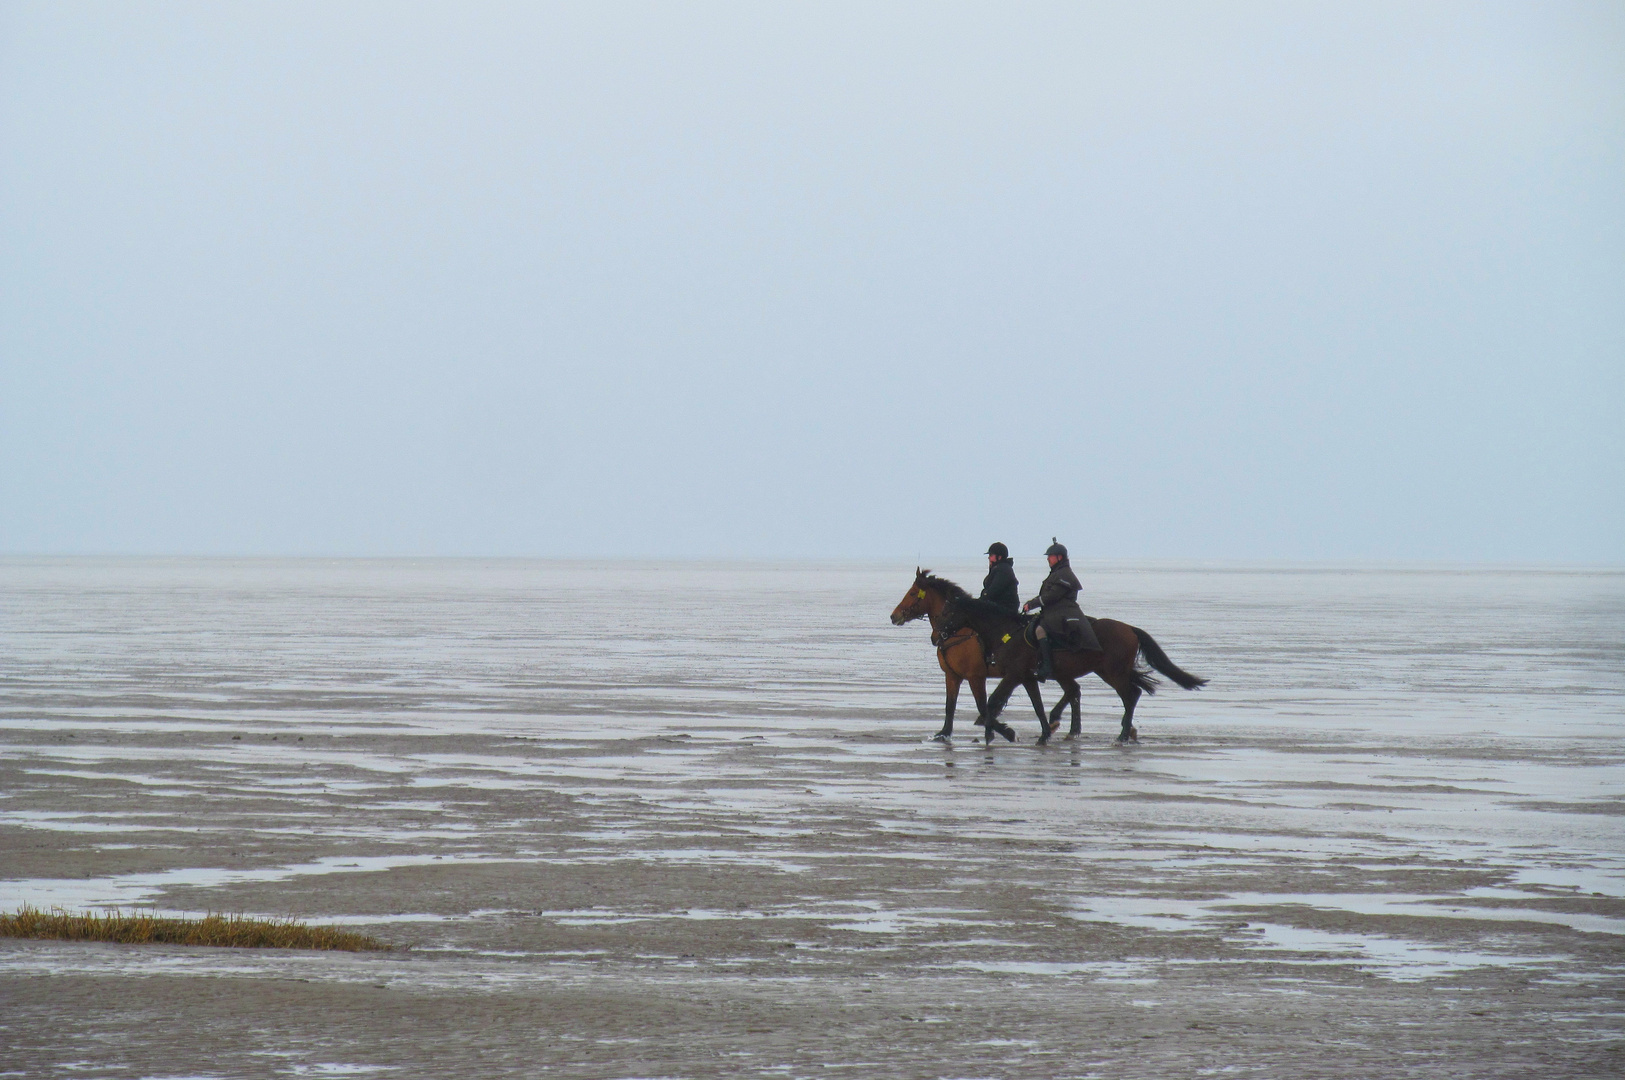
918 602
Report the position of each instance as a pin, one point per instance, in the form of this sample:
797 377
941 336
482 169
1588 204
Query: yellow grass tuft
230 931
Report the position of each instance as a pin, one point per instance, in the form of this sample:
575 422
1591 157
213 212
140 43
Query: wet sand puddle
613 847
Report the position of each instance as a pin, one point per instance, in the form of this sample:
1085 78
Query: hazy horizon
967 567
1262 283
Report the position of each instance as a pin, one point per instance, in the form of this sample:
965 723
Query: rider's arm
1055 591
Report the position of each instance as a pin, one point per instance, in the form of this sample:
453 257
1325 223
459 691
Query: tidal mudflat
682 820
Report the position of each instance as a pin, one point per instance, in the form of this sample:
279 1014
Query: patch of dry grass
230 931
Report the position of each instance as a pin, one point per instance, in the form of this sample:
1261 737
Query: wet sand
712 839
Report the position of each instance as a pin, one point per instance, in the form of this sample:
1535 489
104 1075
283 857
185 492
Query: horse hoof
1069 736
942 736
1008 733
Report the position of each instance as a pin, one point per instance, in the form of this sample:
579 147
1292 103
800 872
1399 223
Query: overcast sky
1213 281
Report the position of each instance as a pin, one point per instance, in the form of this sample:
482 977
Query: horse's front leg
995 705
1044 727
978 690
948 711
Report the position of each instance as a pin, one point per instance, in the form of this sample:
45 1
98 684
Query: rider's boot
1046 666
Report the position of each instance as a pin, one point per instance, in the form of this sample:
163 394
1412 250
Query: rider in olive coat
1000 586
1063 620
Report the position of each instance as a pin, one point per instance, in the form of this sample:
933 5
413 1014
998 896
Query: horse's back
1110 632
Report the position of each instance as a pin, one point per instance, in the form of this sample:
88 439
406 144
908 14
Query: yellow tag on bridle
922 594
1007 638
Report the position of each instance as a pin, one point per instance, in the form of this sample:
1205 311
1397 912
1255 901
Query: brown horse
1116 662
960 655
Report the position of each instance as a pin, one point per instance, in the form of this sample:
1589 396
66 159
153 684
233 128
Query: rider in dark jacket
1063 620
1000 586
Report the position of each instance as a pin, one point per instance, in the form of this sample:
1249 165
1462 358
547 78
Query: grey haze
1228 281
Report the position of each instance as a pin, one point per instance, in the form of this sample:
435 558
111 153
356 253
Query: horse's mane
943 585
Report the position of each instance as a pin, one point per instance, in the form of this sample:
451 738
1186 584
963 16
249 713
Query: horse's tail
1158 659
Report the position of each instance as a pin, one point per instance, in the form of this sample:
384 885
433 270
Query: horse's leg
1077 713
978 690
948 712
1038 707
1125 646
1130 693
995 705
1000 697
1060 706
965 660
1069 695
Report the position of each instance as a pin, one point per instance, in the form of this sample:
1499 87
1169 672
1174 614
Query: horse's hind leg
1130 694
1044 726
1069 693
1077 714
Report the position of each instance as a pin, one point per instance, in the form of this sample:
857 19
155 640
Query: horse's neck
988 625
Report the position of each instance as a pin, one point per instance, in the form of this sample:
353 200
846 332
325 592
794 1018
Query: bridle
937 639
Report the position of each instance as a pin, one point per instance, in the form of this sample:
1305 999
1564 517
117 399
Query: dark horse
1116 662
960 654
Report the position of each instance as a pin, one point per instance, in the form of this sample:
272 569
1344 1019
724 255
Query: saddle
1029 630
1084 640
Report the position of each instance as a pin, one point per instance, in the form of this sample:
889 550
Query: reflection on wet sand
1385 805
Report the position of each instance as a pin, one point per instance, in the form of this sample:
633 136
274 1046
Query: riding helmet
1000 550
1055 548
